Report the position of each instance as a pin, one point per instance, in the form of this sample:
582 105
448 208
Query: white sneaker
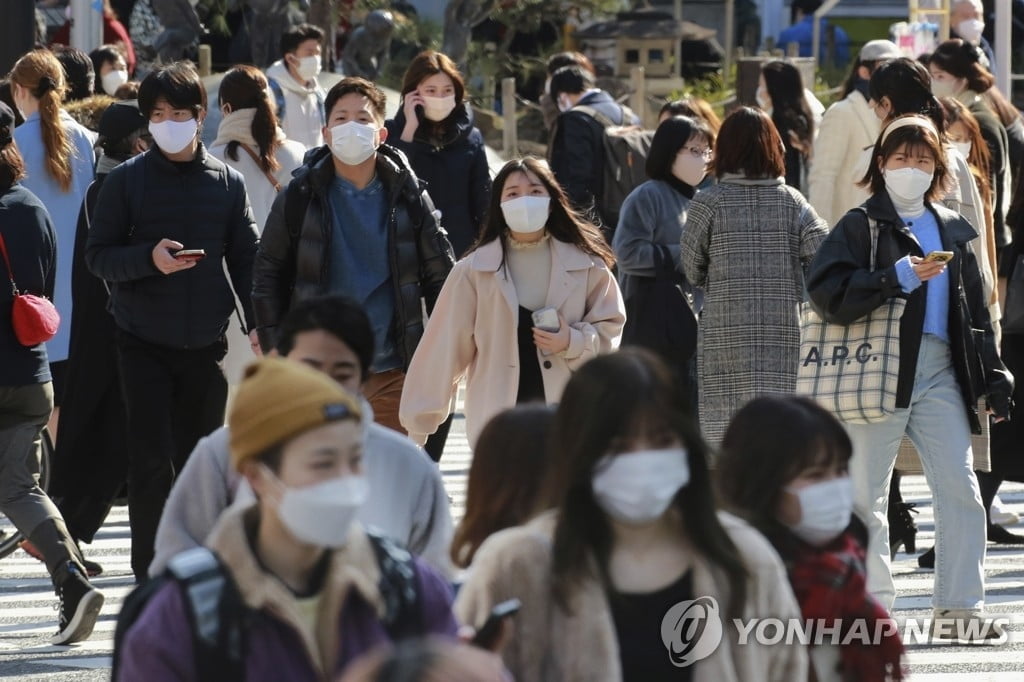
967 625
1001 516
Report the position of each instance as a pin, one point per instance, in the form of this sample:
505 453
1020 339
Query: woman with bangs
632 536
784 468
948 361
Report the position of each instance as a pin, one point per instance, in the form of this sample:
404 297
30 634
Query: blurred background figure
428 660
780 94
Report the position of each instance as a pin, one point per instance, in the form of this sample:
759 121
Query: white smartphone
546 319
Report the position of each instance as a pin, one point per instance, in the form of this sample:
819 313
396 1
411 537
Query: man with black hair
577 152
171 309
298 95
78 71
802 32
331 334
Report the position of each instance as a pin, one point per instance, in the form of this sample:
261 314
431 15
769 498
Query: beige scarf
237 127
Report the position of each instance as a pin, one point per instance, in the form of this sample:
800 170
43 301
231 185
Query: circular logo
691 630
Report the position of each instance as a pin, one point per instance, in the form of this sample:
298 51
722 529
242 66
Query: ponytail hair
41 74
245 87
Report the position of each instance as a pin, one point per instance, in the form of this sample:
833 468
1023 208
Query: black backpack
220 619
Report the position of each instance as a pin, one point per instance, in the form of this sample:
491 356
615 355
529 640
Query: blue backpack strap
275 87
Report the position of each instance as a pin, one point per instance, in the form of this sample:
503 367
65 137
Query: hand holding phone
487 635
546 319
190 254
939 257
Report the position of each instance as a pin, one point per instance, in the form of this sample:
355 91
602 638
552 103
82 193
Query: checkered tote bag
853 370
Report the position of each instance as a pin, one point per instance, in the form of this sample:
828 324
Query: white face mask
689 168
564 103
438 108
308 67
637 487
112 80
948 88
321 514
971 30
825 510
526 214
909 184
964 148
173 136
353 142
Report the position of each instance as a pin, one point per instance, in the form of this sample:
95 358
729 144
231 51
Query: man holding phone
165 224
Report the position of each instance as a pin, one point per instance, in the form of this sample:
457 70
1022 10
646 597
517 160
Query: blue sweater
62 206
359 265
936 307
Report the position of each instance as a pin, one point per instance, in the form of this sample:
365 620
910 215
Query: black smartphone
486 637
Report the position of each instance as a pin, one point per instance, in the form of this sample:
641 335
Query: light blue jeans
936 422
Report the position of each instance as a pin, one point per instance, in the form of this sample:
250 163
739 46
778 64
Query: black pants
173 397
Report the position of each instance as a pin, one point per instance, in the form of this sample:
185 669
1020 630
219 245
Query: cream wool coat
549 645
472 332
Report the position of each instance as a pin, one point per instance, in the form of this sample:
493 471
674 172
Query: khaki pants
23 414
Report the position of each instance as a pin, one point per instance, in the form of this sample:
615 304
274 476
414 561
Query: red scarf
830 584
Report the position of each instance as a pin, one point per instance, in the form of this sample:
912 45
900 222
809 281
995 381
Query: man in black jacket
356 221
171 310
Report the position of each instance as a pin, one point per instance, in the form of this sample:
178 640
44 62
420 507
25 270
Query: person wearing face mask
307 572
948 358
632 531
355 220
407 499
747 242
576 151
783 469
293 82
650 227
780 94
532 301
848 127
110 68
434 129
967 21
171 311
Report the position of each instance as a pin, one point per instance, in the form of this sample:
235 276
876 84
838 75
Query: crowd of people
263 339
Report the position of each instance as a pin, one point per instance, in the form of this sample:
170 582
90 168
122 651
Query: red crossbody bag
34 318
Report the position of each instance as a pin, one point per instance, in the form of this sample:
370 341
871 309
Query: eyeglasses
705 153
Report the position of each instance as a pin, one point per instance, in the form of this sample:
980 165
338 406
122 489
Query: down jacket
843 289
292 261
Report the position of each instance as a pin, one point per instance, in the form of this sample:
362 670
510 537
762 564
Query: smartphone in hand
190 254
546 319
939 257
487 636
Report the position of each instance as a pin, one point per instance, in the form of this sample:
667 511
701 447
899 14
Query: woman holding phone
948 358
532 301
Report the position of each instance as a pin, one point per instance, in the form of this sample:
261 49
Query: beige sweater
549 645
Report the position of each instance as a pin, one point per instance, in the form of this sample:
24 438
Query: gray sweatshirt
652 215
407 497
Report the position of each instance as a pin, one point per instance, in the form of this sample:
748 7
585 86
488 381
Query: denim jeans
936 422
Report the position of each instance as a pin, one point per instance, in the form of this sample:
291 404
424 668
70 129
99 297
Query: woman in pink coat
532 301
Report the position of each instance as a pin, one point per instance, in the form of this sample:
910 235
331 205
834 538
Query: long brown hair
564 224
245 87
40 73
612 397
509 462
12 166
430 63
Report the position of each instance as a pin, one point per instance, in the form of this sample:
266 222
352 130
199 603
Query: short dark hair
296 35
768 443
963 60
78 72
570 79
340 316
749 143
672 135
914 137
178 83
808 7
360 86
102 55
694 107
564 59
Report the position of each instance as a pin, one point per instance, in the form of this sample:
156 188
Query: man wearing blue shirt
802 30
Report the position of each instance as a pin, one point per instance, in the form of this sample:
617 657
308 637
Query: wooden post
205 61
638 93
489 84
510 134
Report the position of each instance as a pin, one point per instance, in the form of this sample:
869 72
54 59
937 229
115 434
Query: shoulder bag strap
7 262
270 178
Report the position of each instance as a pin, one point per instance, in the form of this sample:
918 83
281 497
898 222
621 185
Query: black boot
1001 536
80 604
927 560
902 529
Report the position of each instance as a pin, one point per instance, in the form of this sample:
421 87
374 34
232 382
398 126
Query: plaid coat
748 243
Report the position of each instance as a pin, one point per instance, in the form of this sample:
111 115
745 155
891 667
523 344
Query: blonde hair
41 74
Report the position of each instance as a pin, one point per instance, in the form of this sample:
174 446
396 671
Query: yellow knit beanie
279 399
